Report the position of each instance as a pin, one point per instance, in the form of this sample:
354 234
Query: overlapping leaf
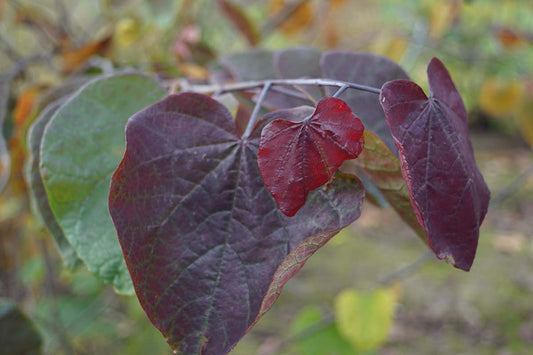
300 62
448 193
206 245
367 69
80 148
37 192
297 157
383 168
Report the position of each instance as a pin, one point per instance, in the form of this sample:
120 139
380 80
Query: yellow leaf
442 14
365 319
390 46
297 20
127 32
499 97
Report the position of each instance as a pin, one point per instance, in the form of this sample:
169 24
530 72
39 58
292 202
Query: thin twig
340 91
407 270
248 85
255 112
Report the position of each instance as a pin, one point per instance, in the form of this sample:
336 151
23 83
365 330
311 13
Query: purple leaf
202 236
448 193
367 69
300 62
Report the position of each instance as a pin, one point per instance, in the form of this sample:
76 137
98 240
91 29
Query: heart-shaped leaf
367 69
297 157
207 248
80 148
448 193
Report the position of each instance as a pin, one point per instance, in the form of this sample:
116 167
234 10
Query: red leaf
297 157
447 191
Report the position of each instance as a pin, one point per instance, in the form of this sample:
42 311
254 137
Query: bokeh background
487 45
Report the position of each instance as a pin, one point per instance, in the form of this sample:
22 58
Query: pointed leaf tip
447 190
297 157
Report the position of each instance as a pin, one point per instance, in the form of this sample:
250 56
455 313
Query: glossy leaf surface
297 157
206 245
80 148
448 193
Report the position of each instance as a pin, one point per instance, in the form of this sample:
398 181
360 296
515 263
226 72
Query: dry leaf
301 17
240 20
510 39
74 58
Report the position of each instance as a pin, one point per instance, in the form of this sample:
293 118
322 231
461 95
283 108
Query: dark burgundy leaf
297 157
202 236
251 65
448 193
367 69
300 62
258 64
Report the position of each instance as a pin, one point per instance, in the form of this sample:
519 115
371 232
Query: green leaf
314 338
17 333
160 12
39 199
364 319
81 147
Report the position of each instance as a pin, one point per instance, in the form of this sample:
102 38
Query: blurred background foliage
420 305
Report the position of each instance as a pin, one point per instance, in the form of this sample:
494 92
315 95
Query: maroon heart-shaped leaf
297 157
447 191
206 246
